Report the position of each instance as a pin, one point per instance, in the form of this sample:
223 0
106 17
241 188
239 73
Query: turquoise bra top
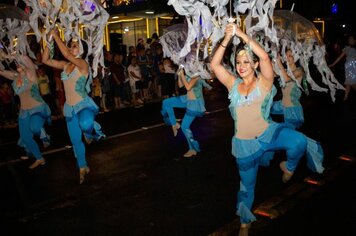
20 89
81 84
34 90
35 93
236 99
198 87
295 95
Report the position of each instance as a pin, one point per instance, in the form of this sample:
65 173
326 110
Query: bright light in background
343 26
150 12
334 8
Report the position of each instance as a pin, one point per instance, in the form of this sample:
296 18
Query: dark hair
41 67
154 36
118 53
347 40
130 59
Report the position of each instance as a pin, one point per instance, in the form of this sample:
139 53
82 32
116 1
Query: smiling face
244 64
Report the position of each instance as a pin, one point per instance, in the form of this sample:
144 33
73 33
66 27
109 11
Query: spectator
43 84
118 79
109 95
143 62
140 45
155 43
6 95
105 88
168 83
157 60
96 90
135 76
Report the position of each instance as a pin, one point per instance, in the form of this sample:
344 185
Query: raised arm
221 73
30 67
284 74
8 74
80 63
51 62
188 85
206 85
338 59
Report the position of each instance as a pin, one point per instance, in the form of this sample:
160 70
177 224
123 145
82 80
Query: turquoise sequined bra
236 99
34 90
20 89
35 93
295 94
80 86
198 87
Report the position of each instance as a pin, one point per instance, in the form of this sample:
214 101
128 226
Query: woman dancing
256 136
290 106
79 108
193 101
34 112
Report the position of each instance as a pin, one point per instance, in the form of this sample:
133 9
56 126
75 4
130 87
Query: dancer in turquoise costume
290 106
256 136
79 108
34 112
193 101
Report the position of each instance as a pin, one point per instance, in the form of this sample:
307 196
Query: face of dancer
74 48
351 41
290 57
244 65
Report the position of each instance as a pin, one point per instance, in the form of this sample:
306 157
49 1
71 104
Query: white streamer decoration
173 40
206 21
70 16
14 26
274 30
303 39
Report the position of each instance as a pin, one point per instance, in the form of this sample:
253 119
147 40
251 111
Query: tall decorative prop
274 30
80 19
14 25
